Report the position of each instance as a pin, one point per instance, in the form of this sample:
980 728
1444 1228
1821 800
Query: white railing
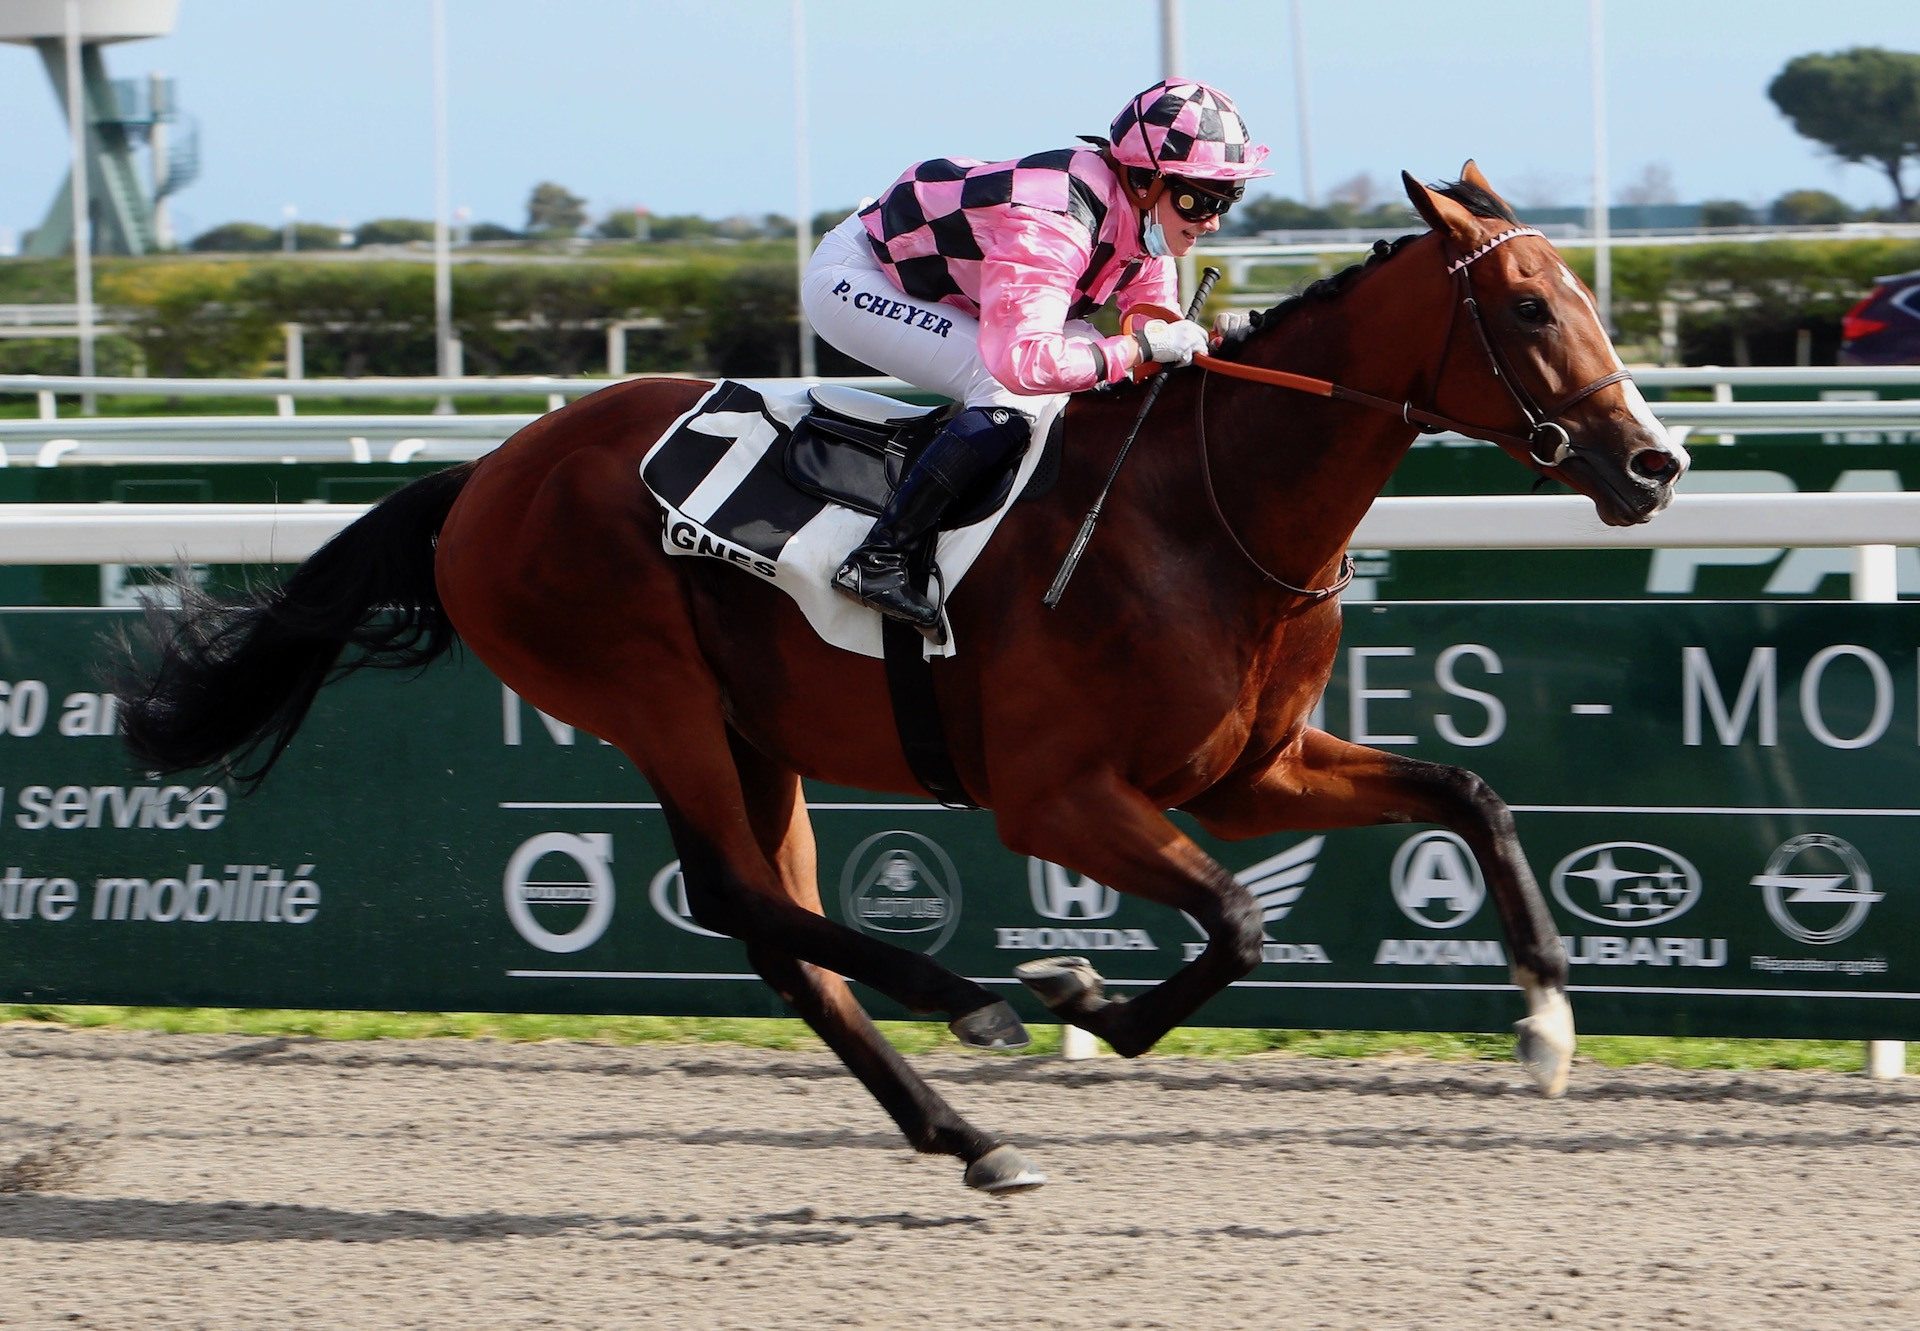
52 440
284 533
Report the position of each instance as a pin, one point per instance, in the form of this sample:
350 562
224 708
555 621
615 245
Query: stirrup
891 594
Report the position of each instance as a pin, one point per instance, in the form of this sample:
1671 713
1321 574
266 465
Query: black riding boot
973 443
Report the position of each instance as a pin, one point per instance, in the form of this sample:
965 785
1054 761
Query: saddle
852 447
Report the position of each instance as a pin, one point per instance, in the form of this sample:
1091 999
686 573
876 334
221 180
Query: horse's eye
1531 310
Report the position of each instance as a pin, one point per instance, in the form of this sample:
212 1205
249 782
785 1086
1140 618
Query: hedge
734 315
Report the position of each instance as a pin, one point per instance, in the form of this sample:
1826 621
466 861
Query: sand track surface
151 1182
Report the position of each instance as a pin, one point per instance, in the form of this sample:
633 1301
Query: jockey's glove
1171 343
1232 327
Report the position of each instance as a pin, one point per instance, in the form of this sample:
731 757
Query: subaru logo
1626 884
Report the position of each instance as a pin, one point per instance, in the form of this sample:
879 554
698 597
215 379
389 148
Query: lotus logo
1833 887
1626 884
902 887
668 893
572 891
1436 881
1060 895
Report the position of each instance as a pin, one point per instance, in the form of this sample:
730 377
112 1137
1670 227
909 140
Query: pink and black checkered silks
1186 129
935 225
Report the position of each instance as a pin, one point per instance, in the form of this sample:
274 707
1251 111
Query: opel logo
1626 884
1831 885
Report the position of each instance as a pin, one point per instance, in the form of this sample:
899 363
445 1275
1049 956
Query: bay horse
1179 672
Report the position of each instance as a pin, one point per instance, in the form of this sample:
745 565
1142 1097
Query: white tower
117 119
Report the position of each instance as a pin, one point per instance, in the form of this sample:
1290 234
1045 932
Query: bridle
1542 423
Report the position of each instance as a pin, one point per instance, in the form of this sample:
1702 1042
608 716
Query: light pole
1602 253
442 259
82 210
1300 107
803 207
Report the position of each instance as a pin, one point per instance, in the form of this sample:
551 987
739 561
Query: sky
688 106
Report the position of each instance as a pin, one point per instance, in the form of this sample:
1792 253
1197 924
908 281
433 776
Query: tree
236 237
1862 104
1809 207
1717 213
392 231
553 211
1653 186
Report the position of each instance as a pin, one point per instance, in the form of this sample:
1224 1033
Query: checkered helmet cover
1186 129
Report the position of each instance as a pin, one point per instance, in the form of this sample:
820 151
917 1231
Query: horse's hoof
1002 1172
1544 1045
991 1027
1062 983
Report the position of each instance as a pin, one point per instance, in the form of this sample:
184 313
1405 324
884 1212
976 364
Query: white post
442 258
157 145
296 335
1876 579
1076 1044
802 204
616 350
1602 254
82 205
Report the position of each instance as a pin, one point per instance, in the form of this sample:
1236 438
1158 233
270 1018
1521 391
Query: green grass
918 1037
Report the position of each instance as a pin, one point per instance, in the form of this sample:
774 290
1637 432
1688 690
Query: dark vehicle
1884 329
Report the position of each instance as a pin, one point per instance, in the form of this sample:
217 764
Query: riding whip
1079 546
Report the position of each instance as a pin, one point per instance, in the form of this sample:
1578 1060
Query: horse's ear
1472 175
1452 220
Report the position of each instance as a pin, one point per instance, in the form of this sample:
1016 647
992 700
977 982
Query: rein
1541 423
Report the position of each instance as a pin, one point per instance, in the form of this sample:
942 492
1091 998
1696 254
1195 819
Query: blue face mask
1153 237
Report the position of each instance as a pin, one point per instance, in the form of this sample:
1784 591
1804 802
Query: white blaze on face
1636 401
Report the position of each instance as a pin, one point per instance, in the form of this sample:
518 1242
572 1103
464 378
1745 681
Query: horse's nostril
1655 464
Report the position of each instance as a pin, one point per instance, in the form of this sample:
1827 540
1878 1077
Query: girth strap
916 712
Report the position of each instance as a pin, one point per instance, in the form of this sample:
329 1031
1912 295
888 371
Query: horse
1179 672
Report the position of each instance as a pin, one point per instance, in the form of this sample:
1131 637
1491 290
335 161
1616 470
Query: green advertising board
1716 798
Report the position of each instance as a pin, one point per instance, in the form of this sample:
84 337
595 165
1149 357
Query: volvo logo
1436 881
1626 884
902 887
668 893
567 905
1817 889
1061 895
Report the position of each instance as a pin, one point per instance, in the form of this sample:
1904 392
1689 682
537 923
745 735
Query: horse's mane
1476 200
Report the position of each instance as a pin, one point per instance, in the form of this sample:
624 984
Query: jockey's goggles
1196 202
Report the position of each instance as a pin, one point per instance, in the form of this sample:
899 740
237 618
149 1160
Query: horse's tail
225 684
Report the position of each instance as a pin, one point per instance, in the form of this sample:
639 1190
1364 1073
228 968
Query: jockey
999 265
